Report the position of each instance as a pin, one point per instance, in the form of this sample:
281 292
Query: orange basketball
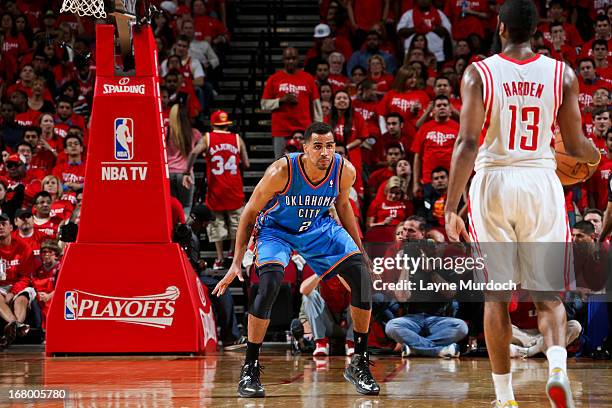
569 170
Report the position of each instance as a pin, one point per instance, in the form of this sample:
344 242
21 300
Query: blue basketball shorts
323 247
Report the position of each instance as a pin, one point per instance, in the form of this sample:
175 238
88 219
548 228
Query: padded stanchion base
129 298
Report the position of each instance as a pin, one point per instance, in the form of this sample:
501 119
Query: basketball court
210 381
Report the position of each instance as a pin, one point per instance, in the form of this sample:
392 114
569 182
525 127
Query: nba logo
124 139
71 301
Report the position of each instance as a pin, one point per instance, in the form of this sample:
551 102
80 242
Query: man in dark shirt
426 330
11 131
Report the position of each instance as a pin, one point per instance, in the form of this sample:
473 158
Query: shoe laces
254 370
364 363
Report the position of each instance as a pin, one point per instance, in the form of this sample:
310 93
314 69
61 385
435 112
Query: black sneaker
358 373
249 385
10 333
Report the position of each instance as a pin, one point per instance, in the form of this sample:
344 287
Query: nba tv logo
124 139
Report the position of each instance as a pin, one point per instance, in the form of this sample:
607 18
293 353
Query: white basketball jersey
521 102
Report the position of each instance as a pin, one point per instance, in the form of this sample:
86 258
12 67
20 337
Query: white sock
557 358
503 387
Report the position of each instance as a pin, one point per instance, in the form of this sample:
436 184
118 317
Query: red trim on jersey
320 183
475 236
519 62
560 84
489 108
552 126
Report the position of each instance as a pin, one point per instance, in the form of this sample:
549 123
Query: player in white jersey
512 103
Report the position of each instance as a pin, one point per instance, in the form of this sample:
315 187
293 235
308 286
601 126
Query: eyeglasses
25 216
12 165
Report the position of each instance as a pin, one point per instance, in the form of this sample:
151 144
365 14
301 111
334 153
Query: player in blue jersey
289 210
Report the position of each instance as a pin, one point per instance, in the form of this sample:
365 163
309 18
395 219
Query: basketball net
124 12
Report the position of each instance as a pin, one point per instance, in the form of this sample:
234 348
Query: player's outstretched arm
274 181
570 122
465 151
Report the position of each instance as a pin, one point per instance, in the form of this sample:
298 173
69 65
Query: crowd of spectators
386 75
47 76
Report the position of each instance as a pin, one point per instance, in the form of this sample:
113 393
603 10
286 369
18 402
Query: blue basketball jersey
302 205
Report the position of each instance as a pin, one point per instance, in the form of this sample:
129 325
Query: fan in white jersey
512 103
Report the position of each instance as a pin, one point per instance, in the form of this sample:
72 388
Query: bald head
290 59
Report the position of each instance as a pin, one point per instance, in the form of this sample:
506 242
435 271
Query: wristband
598 160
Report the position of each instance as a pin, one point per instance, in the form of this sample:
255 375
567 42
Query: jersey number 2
531 116
220 166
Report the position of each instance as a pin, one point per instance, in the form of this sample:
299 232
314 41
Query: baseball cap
169 6
14 158
22 211
322 31
4 217
393 182
220 118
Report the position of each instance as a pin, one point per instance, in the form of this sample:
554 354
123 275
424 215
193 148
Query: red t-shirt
206 26
223 172
288 117
587 49
19 264
15 46
401 102
336 297
598 183
49 227
34 241
44 160
367 111
379 177
381 209
337 82
572 37
585 95
27 118
605 74
367 13
70 173
435 142
359 130
383 83
468 24
176 211
43 279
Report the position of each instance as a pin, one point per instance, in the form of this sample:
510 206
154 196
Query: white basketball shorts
519 226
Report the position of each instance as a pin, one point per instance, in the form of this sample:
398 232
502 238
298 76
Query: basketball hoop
124 12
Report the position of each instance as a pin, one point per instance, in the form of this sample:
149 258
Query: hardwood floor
210 381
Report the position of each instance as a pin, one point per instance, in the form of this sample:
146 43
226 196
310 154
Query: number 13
528 142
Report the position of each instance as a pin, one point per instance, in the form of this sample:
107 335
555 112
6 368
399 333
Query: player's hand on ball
455 228
232 273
